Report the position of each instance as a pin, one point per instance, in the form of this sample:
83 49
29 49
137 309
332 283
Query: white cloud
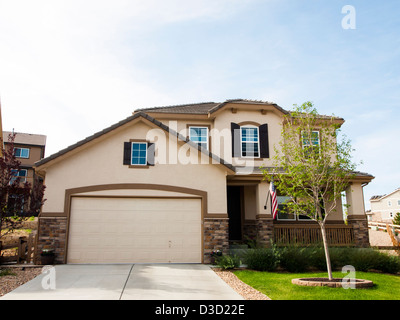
63 64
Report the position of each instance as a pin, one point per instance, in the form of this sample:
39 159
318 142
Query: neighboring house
172 184
28 149
384 207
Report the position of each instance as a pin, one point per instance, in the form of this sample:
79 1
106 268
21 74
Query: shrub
364 259
388 264
367 259
396 219
339 257
301 259
228 262
263 259
295 259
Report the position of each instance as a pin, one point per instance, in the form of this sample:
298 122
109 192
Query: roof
125 121
26 138
259 170
195 108
206 107
380 197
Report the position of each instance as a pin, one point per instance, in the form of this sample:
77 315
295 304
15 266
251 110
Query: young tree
396 219
311 167
15 194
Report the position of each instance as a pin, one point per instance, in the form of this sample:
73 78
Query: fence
383 226
337 235
25 250
391 229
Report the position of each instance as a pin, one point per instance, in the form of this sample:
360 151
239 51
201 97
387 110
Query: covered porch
251 222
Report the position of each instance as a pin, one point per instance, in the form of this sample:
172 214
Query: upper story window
21 153
139 153
249 137
199 135
22 174
389 203
310 140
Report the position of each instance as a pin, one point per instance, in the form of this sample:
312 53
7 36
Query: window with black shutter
250 141
138 153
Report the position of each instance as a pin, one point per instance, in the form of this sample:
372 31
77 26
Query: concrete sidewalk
126 282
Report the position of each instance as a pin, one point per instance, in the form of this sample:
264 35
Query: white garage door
134 230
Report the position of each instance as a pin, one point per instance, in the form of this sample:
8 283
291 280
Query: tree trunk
328 259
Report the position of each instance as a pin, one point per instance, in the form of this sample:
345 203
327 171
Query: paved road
126 282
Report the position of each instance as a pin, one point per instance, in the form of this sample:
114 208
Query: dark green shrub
263 259
339 257
388 264
228 262
364 259
295 259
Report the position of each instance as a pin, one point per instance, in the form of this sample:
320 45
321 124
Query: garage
134 230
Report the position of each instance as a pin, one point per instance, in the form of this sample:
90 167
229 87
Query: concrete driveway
126 282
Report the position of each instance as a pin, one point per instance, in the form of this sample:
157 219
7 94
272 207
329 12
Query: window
139 153
15 174
250 142
389 203
199 135
283 212
398 202
310 142
21 152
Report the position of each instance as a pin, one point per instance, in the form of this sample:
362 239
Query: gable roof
27 138
380 197
207 107
125 121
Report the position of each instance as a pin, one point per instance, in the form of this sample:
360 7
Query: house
172 184
384 207
28 149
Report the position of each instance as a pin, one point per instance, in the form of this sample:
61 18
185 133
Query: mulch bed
17 276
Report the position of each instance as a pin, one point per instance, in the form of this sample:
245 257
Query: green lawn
278 286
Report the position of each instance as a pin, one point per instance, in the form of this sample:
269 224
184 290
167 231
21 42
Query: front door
234 195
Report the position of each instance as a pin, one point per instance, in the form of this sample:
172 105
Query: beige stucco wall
355 198
223 122
220 131
101 162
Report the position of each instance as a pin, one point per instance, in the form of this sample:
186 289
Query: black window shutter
150 154
264 145
235 130
127 153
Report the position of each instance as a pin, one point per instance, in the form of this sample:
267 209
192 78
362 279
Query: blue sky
71 68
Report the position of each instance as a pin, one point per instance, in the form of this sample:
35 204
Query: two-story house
28 149
384 207
172 184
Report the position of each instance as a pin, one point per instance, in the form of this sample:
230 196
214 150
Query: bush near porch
302 259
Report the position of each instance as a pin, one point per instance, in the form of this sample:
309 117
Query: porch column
356 214
264 221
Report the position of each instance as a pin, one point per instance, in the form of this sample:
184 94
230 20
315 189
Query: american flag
274 202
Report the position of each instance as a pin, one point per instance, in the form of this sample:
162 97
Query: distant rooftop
26 138
378 197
